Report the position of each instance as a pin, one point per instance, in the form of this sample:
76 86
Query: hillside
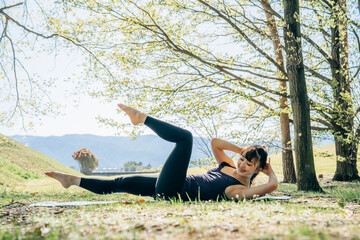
18 163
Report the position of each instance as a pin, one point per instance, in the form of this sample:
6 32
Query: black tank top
209 186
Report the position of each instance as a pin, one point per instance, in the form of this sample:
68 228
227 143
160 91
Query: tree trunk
346 161
287 156
306 177
343 118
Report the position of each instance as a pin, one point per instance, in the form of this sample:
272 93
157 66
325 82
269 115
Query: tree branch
270 10
60 36
17 105
317 47
176 48
244 36
11 6
321 112
317 128
318 75
234 91
5 29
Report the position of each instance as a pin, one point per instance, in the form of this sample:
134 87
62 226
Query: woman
227 181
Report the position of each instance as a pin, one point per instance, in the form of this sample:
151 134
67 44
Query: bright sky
79 111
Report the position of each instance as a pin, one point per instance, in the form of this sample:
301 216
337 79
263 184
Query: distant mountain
112 151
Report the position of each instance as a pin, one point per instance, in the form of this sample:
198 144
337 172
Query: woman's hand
267 169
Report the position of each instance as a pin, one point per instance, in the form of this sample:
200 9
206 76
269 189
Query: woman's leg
172 176
173 173
138 185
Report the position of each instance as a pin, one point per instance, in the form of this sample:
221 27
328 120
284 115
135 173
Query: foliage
133 166
87 160
209 62
24 94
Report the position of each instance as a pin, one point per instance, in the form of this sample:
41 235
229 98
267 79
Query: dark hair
258 153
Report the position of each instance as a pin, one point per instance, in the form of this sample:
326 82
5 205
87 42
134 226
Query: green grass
19 163
334 214
303 217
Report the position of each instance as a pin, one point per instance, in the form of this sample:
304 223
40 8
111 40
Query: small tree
87 160
133 166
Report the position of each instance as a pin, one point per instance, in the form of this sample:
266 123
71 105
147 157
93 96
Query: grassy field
19 163
334 214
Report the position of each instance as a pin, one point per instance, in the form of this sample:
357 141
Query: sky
78 113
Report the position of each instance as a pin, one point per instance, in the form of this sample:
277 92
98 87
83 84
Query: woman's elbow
213 141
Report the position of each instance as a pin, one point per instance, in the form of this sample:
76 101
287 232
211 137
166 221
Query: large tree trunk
287 156
346 161
306 177
345 142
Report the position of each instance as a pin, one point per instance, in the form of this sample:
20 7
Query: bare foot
136 116
65 179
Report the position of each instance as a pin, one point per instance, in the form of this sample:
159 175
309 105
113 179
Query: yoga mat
65 204
269 197
84 203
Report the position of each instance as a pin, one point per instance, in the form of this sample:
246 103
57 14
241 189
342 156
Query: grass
334 214
19 163
310 216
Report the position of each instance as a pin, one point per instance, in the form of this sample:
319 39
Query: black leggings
172 176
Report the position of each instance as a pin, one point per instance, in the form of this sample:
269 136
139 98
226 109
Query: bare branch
321 111
317 47
317 128
318 75
322 121
11 6
320 128
5 29
60 36
325 33
256 74
17 105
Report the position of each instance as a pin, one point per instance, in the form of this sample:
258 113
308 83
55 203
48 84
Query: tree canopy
214 62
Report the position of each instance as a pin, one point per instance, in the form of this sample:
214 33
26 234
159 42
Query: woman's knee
188 137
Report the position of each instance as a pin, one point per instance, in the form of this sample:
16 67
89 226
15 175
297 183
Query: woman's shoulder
225 164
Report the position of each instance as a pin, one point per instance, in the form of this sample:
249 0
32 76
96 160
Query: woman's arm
238 191
218 146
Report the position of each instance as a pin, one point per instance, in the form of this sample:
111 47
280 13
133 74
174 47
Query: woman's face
246 168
